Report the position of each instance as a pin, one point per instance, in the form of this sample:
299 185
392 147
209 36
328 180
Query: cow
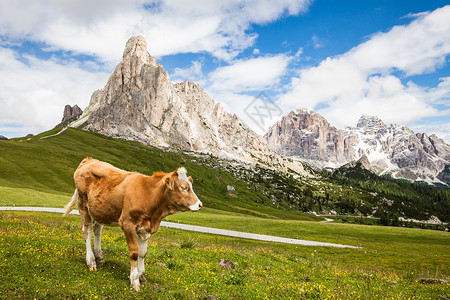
107 195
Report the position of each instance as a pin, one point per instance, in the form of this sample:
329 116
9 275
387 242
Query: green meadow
42 256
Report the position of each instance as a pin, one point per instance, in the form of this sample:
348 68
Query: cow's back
100 186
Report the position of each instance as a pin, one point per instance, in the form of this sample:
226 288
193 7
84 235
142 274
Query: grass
42 255
10 196
47 166
395 248
184 265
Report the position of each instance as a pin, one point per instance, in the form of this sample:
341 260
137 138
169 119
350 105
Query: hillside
46 165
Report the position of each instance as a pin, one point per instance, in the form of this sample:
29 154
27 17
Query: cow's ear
191 180
168 182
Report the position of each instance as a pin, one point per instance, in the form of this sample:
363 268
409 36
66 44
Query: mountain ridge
139 102
391 149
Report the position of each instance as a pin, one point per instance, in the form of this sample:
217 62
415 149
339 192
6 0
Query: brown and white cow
138 203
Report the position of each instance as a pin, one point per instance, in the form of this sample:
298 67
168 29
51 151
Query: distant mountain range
139 102
391 150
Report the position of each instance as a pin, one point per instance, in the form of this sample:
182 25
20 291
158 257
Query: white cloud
193 73
439 95
229 84
299 52
316 42
33 92
253 74
243 105
102 27
417 48
385 98
363 80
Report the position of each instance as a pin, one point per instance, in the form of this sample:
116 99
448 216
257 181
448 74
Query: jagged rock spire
139 102
70 112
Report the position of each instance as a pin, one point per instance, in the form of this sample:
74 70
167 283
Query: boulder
226 264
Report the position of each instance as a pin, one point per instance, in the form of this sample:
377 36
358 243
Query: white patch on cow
142 242
90 258
143 234
134 279
196 206
97 240
182 174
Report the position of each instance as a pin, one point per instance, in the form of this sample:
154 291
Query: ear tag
169 186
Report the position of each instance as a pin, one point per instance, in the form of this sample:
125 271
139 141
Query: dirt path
58 133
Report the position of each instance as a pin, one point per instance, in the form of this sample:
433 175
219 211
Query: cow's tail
69 206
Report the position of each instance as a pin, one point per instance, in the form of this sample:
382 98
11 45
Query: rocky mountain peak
136 46
392 149
307 119
306 134
136 60
370 123
70 112
136 53
139 102
363 163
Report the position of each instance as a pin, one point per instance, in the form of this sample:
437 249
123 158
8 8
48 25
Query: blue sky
342 58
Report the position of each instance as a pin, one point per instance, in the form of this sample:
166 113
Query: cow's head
179 191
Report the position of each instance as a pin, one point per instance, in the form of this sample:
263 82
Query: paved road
231 233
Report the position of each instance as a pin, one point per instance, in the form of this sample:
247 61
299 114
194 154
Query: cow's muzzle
196 206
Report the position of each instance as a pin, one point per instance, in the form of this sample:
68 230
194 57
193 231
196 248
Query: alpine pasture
42 255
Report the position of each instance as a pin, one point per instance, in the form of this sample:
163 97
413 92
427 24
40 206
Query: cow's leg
142 239
97 242
133 249
90 257
86 227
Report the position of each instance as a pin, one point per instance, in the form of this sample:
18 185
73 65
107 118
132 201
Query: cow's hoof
91 265
136 286
142 279
99 256
134 280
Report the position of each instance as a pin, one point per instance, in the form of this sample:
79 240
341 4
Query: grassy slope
47 166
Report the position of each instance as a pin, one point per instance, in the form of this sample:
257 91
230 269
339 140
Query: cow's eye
184 188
